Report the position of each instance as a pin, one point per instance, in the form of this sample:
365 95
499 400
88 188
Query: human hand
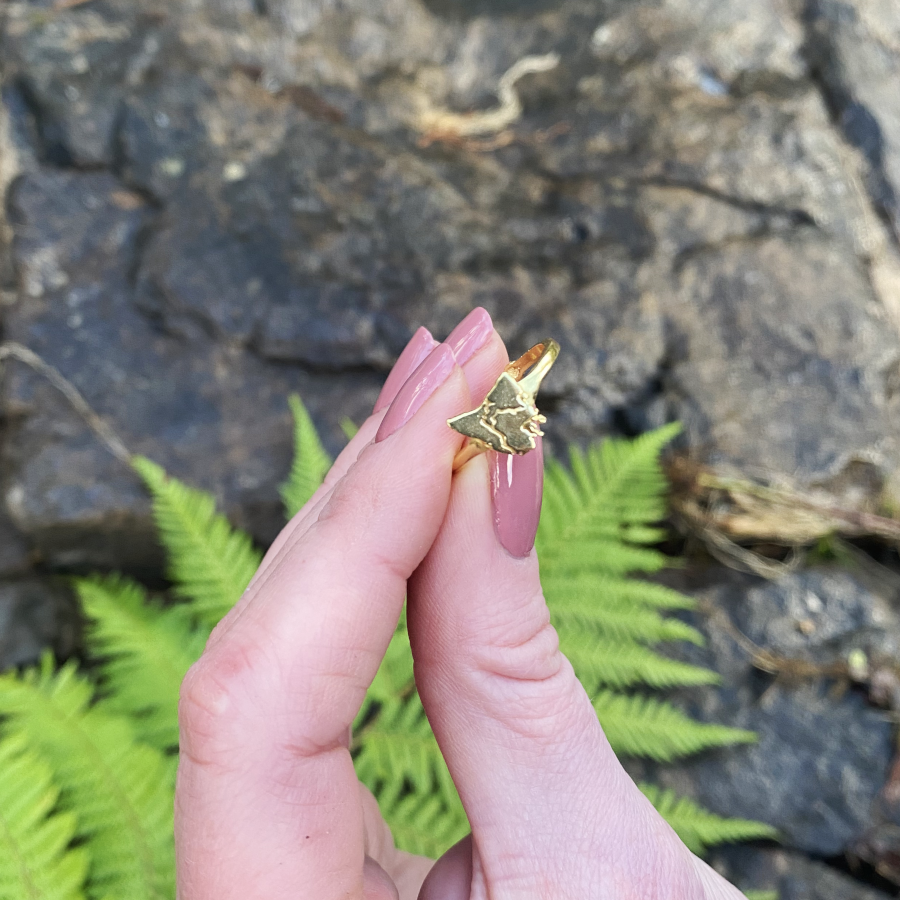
267 802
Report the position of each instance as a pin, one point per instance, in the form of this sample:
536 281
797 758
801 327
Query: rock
791 875
15 555
224 203
35 615
776 337
828 746
173 401
857 47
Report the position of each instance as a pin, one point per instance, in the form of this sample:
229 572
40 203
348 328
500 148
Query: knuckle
212 705
524 679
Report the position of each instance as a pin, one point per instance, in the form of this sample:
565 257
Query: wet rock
822 740
35 615
674 205
217 418
779 338
15 554
791 875
857 49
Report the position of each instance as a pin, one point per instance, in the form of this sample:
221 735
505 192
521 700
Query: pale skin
268 805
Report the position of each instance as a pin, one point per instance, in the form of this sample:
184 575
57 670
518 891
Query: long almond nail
427 378
419 346
470 335
517 486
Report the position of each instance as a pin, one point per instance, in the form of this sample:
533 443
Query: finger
451 876
412 356
546 797
474 334
466 340
267 801
406 870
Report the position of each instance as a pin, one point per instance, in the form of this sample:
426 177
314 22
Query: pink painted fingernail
517 486
470 335
427 378
419 346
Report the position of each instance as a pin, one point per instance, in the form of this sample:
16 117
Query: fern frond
35 862
210 562
613 618
599 516
394 678
310 464
698 827
145 649
619 664
349 427
119 789
610 590
398 749
422 823
643 726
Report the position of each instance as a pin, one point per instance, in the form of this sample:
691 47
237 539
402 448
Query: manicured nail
517 486
427 378
419 346
470 335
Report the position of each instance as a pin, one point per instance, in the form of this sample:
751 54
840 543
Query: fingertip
377 884
451 876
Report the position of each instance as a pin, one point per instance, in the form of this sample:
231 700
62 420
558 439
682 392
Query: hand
267 802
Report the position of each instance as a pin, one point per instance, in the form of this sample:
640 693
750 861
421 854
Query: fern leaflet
643 726
119 789
619 664
210 562
145 649
699 828
595 517
423 823
310 464
35 863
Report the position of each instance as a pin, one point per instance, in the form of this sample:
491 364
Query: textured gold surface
508 420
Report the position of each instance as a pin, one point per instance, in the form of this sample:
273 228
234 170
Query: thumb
552 811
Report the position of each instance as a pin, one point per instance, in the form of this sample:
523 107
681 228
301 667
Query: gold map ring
508 421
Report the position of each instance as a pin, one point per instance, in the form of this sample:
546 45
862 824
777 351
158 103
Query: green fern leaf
597 517
310 464
394 679
35 862
603 590
349 427
619 664
146 651
698 827
423 823
761 895
119 789
617 618
210 562
398 747
643 726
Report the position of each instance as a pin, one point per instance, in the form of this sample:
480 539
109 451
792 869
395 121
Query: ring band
508 420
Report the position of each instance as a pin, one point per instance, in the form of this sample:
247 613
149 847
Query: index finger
268 803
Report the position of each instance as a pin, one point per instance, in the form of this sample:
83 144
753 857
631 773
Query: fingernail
517 486
470 335
426 379
419 346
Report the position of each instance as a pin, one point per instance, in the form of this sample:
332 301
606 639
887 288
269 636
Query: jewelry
508 421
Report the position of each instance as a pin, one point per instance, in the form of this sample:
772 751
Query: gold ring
508 421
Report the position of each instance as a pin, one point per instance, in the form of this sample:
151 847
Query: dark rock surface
819 738
35 615
238 198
